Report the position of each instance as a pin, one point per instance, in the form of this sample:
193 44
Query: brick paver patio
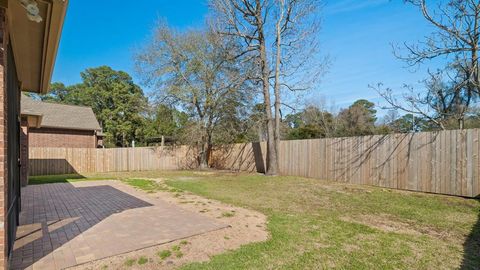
63 225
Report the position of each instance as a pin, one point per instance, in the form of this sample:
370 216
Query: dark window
13 150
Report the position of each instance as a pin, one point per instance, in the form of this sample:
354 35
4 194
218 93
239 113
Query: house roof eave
35 44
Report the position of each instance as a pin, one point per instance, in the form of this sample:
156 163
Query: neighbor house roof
60 115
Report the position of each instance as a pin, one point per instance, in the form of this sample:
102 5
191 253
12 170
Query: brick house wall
68 138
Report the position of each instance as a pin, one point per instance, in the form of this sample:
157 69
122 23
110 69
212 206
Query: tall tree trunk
203 157
475 64
272 162
278 59
204 154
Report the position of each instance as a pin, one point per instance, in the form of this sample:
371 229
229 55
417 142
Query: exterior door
13 150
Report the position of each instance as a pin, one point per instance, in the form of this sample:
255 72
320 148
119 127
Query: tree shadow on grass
471 247
50 179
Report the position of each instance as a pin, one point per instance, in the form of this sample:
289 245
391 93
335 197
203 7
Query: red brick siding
51 137
3 139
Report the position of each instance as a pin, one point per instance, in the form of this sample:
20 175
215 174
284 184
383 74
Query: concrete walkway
63 225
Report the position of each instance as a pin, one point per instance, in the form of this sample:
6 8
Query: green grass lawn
319 224
68 178
63 178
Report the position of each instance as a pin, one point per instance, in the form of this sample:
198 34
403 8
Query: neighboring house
29 36
60 125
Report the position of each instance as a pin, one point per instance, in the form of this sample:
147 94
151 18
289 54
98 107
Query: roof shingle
60 115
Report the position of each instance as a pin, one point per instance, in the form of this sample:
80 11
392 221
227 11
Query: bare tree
444 103
280 37
452 89
322 116
196 71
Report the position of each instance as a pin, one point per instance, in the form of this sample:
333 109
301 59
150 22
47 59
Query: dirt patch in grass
205 173
389 224
246 226
186 178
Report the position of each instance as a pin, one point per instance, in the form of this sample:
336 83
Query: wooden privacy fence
445 162
49 161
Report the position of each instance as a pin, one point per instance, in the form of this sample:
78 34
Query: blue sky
356 35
